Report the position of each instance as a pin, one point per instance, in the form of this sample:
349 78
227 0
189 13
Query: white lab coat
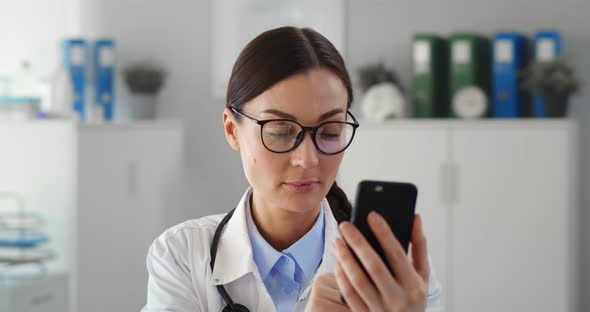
180 277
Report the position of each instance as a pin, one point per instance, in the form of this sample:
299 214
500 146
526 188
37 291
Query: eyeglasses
284 135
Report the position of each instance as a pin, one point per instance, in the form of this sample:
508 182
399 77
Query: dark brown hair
276 55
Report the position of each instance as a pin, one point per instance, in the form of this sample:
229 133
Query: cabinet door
414 153
130 191
511 222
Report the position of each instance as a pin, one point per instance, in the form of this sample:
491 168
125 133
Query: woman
282 248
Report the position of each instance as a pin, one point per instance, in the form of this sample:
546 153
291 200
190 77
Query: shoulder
189 237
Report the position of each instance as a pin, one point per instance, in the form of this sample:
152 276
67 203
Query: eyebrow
324 116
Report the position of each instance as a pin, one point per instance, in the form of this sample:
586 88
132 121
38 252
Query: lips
302 186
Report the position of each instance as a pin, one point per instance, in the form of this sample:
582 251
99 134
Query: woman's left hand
407 291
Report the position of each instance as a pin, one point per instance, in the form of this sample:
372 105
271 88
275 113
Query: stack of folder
76 62
547 47
470 67
430 87
467 76
510 57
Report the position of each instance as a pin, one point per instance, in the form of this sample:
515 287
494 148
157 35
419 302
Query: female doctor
284 247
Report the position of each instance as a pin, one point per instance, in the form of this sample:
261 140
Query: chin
300 202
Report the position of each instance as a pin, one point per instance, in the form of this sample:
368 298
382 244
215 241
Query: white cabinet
130 190
45 293
107 191
499 200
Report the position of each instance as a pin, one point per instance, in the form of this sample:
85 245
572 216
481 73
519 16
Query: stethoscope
231 306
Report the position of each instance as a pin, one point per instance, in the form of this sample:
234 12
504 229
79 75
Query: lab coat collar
234 253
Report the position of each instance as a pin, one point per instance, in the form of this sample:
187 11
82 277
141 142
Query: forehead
305 96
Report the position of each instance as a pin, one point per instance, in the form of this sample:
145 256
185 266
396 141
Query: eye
331 131
330 135
280 129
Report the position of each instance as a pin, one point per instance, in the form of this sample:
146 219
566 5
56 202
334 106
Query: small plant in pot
556 81
144 80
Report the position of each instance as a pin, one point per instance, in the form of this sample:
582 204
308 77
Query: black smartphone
395 201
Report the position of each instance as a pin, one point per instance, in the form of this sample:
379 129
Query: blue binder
510 56
547 48
104 64
74 59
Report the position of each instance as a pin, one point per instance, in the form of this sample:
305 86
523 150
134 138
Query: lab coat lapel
234 253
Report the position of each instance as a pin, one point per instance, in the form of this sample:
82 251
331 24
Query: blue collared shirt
286 273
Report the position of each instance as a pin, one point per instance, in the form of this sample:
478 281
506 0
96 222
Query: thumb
419 249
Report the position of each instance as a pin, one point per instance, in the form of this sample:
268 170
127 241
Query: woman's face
297 180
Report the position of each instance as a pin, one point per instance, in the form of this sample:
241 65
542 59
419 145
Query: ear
230 128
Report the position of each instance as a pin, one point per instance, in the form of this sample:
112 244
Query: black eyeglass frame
355 124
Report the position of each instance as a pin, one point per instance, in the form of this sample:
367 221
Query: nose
306 154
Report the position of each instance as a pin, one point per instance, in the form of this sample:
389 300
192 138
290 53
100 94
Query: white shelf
432 123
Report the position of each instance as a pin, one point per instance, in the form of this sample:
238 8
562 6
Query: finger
353 300
419 249
327 283
393 250
371 261
327 295
360 281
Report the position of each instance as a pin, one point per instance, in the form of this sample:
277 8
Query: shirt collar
328 257
307 251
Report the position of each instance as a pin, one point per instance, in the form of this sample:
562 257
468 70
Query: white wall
178 34
31 31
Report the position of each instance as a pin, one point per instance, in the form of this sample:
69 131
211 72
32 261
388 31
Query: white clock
470 102
383 101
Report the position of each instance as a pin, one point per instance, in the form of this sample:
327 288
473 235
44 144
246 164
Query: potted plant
144 80
556 81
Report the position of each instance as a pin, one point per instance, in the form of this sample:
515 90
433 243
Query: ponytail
341 207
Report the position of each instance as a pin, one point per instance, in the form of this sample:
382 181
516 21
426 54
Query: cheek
260 165
329 167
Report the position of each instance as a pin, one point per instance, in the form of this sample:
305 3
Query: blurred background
111 132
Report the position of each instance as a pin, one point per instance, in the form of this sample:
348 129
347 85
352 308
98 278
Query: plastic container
18 108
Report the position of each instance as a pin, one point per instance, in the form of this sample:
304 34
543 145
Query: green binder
430 81
470 65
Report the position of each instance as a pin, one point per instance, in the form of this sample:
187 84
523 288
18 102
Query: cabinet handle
445 180
453 185
132 179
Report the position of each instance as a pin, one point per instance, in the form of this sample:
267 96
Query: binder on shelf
74 60
547 47
430 96
510 57
104 64
470 75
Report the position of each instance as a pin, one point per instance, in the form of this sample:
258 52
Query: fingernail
375 217
344 227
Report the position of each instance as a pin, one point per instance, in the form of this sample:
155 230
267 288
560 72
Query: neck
279 227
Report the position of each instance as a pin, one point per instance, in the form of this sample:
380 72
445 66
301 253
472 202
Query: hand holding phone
374 289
